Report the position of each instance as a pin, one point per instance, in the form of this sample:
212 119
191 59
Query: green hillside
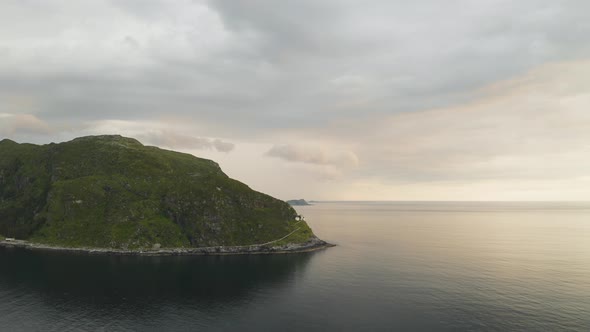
114 192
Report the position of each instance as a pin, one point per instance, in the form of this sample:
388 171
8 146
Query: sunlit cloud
313 155
19 124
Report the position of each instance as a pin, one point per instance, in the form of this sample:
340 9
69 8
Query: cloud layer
10 124
355 100
314 155
177 141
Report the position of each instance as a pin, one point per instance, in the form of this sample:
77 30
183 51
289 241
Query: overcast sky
332 99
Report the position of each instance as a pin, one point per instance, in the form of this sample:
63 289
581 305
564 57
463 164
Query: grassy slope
111 191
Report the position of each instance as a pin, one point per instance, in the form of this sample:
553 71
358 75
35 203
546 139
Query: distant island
111 194
298 202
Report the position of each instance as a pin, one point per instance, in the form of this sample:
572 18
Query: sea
397 266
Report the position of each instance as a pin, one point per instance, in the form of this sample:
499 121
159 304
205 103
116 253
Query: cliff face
114 192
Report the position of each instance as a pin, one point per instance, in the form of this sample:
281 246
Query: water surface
398 266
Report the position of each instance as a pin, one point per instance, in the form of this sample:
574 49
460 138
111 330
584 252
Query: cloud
314 155
19 124
534 127
420 92
222 146
170 133
170 139
323 60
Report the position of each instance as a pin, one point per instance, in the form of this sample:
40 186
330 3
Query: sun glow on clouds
314 155
525 138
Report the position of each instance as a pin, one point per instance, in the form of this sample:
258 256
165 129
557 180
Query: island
298 202
111 194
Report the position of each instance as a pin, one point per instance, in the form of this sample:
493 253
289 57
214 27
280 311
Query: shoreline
314 244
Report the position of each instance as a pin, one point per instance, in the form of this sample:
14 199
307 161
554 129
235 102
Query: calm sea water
397 266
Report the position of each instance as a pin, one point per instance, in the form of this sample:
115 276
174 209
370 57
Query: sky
318 99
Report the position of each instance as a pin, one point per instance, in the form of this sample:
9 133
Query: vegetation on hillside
114 192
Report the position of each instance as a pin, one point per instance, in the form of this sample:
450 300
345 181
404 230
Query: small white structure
10 239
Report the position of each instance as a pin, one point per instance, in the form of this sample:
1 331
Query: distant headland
298 202
112 194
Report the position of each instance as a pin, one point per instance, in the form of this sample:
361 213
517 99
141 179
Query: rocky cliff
114 192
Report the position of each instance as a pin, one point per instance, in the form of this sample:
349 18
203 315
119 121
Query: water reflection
398 266
145 284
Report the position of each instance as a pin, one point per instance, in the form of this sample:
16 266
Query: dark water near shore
398 266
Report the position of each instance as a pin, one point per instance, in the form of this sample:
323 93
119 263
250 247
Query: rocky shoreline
312 245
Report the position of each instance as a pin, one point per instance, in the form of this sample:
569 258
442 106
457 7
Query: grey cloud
22 125
179 141
131 42
264 70
223 146
314 155
434 50
253 68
